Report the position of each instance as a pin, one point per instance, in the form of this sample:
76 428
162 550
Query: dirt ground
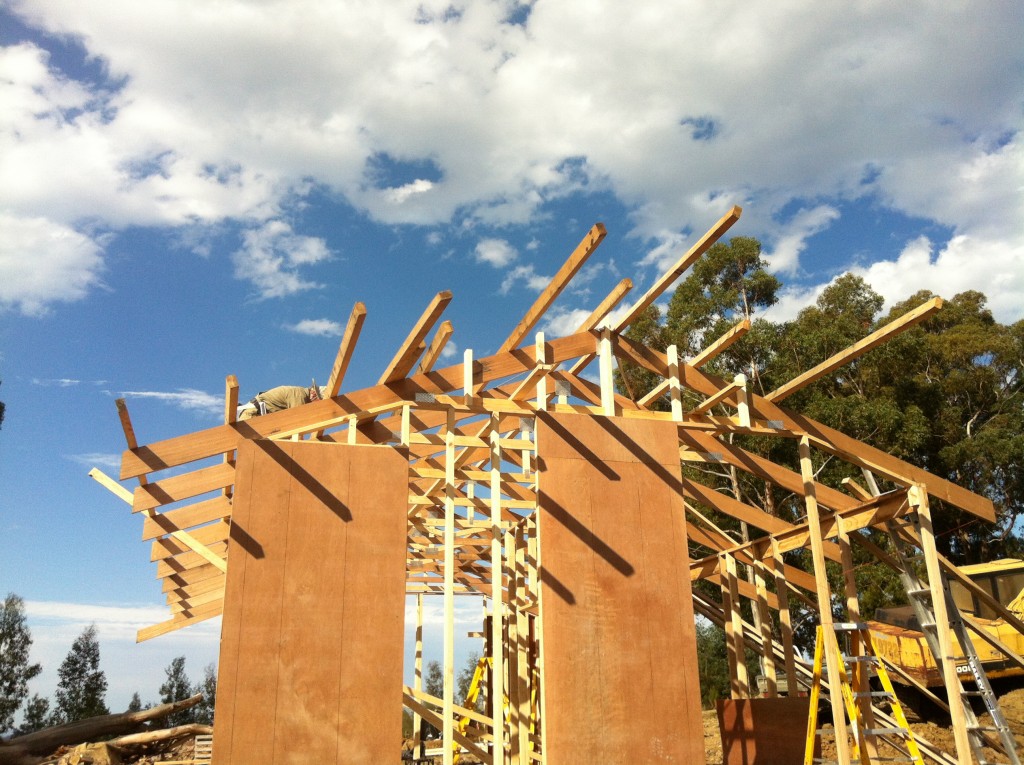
1011 703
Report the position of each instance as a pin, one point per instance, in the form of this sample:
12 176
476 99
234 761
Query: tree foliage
177 687
15 668
208 687
82 685
37 714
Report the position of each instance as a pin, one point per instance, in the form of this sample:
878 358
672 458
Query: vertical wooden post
606 363
417 680
522 650
828 632
468 377
785 624
447 715
741 398
947 661
739 682
497 687
542 383
765 621
673 383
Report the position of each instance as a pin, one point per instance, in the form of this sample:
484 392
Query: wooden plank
346 348
171 545
824 593
558 283
318 551
823 437
158 524
410 350
188 561
614 597
183 486
222 438
669 277
858 349
179 621
437 345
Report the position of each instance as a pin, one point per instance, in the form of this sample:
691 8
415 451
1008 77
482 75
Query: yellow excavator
897 635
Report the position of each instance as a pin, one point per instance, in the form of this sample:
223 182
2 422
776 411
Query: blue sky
190 190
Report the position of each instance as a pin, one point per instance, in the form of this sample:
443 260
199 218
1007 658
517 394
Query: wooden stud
764 621
858 349
947 660
447 715
408 351
417 680
558 283
831 645
345 349
669 277
607 379
673 383
496 690
785 623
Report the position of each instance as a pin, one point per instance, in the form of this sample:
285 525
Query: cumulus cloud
317 328
272 256
965 263
43 262
784 256
496 252
560 322
205 115
523 274
188 399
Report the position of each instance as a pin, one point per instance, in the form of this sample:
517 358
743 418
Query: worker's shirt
276 399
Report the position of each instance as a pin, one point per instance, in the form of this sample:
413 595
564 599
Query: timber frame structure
472 458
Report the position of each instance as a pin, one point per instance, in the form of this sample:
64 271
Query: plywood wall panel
314 605
617 633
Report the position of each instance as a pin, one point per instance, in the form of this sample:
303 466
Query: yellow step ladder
861 666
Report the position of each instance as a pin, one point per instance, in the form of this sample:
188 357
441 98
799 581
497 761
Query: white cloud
561 322
524 274
965 263
109 461
210 116
785 254
188 399
271 258
44 262
129 666
450 350
990 267
317 328
496 252
62 382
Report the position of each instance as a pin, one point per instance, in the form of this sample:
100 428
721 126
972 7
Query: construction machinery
898 638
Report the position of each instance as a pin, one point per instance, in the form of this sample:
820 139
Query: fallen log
164 734
33 748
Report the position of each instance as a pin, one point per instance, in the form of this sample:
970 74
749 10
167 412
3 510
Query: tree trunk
34 747
164 734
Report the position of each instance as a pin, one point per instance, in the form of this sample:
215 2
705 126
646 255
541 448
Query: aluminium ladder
919 595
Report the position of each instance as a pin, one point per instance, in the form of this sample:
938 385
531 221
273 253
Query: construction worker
281 397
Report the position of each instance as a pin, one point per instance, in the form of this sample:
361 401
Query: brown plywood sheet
764 731
618 643
311 648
